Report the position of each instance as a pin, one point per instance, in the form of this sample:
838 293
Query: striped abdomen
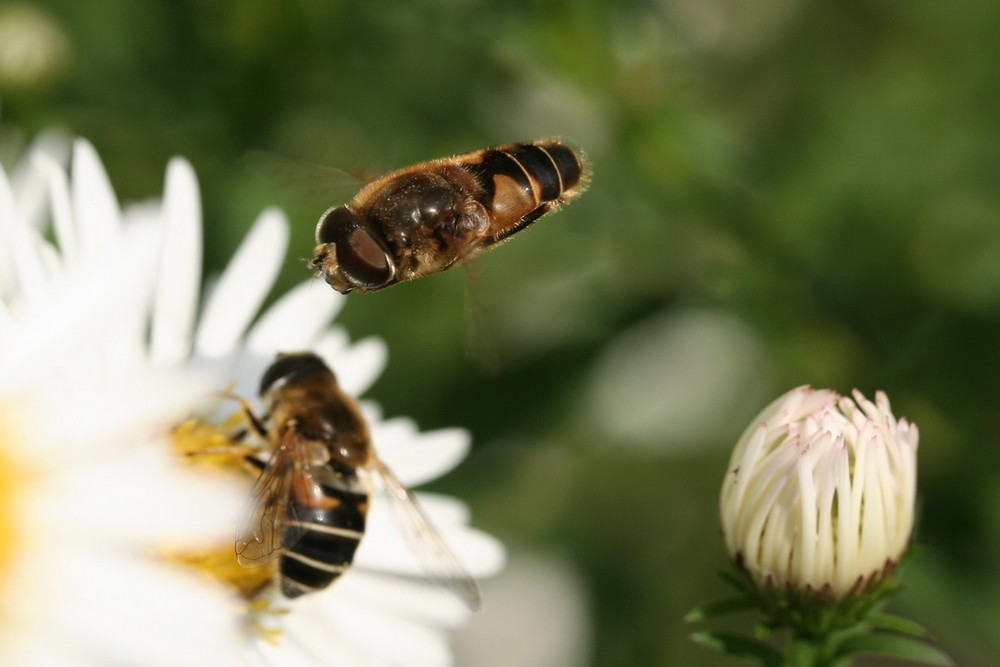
329 536
522 182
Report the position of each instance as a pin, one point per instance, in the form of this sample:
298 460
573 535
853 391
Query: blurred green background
784 192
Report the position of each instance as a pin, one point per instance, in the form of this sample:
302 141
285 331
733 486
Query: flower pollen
210 447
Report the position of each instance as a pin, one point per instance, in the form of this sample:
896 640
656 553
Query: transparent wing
270 522
439 562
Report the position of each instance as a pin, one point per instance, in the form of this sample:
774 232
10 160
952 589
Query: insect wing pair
297 481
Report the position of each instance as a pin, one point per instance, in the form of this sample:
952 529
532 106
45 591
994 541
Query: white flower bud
819 493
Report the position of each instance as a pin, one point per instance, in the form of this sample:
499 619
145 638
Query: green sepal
904 626
740 646
894 646
718 608
738 579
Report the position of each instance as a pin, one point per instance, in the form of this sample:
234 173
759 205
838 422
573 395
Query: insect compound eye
334 223
362 261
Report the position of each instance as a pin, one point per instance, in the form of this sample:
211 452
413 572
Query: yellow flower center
209 446
15 478
9 481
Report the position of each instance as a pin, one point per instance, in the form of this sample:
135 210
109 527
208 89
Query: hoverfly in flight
433 215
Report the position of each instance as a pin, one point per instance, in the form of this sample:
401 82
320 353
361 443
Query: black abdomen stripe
536 162
567 162
302 575
329 538
496 162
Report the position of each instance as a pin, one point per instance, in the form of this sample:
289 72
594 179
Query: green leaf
898 624
718 608
896 646
740 646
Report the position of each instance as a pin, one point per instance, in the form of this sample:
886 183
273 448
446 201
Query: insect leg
256 423
237 447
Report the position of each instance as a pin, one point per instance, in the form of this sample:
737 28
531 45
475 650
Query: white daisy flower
819 493
366 617
88 485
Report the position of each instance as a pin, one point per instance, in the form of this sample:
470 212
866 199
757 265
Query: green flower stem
806 653
816 651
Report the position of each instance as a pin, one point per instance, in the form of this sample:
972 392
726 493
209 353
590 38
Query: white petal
414 598
445 510
247 373
535 614
295 321
356 366
111 607
29 183
397 641
244 285
95 207
6 324
123 347
180 266
310 637
418 457
87 305
295 649
135 494
26 652
385 549
62 213
128 612
21 261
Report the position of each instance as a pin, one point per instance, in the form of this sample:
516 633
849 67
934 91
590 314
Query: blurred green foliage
822 177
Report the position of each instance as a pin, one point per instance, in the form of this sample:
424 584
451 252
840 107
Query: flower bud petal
819 493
